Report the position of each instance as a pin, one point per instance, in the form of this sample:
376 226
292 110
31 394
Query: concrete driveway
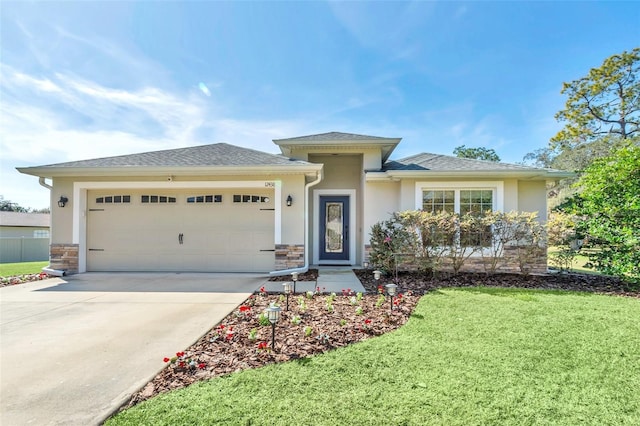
72 349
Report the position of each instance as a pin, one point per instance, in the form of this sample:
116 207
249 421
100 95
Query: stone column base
289 256
64 257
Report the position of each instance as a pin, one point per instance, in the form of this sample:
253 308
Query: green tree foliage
480 153
601 113
8 206
605 102
610 202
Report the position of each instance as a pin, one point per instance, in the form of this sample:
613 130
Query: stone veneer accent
509 263
64 257
289 256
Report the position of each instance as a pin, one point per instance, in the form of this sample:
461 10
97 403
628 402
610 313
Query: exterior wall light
289 201
288 289
391 290
273 313
62 201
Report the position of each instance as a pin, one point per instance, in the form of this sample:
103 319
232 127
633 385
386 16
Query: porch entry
334 228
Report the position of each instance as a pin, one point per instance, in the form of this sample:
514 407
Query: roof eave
51 172
534 174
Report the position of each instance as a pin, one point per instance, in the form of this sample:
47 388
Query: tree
8 206
476 153
610 203
605 102
601 112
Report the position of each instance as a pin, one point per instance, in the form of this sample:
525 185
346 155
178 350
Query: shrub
431 238
561 233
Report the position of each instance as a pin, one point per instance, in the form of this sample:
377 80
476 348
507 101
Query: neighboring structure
24 237
225 208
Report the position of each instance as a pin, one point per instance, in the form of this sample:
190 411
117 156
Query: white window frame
496 186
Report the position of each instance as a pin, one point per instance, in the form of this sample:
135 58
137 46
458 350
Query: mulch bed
21 279
419 283
227 348
310 275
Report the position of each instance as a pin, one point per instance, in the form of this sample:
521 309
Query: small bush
433 240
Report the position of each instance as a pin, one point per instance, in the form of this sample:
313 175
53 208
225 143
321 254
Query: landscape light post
391 290
288 288
294 277
273 313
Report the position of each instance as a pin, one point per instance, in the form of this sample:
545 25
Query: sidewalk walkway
330 280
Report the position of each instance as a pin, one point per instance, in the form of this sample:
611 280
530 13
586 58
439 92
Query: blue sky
82 80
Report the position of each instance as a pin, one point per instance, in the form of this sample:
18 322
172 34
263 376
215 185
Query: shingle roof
437 162
219 154
42 220
331 136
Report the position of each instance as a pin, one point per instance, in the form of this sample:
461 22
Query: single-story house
222 207
24 237
24 225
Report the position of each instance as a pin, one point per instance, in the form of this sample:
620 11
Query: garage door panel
217 237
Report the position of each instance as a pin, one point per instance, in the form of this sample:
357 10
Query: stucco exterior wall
62 217
511 196
532 197
20 231
381 200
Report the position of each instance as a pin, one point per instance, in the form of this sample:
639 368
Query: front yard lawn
466 356
22 268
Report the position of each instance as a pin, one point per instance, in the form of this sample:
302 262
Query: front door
334 228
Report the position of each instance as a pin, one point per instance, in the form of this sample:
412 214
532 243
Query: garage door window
113 199
205 199
250 199
157 199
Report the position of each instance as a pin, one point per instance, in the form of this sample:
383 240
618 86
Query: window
205 199
40 233
157 199
456 198
438 201
250 199
117 199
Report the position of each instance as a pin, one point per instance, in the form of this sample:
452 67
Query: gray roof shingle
331 136
437 162
219 154
42 220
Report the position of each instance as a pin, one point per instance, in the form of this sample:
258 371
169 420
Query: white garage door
200 230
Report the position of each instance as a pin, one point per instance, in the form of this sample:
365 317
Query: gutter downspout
47 269
304 268
45 184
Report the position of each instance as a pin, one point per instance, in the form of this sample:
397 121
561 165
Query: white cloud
65 118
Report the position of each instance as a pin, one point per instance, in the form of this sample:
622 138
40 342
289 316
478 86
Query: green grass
466 357
578 263
10 269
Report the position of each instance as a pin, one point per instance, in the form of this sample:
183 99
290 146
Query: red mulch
227 348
